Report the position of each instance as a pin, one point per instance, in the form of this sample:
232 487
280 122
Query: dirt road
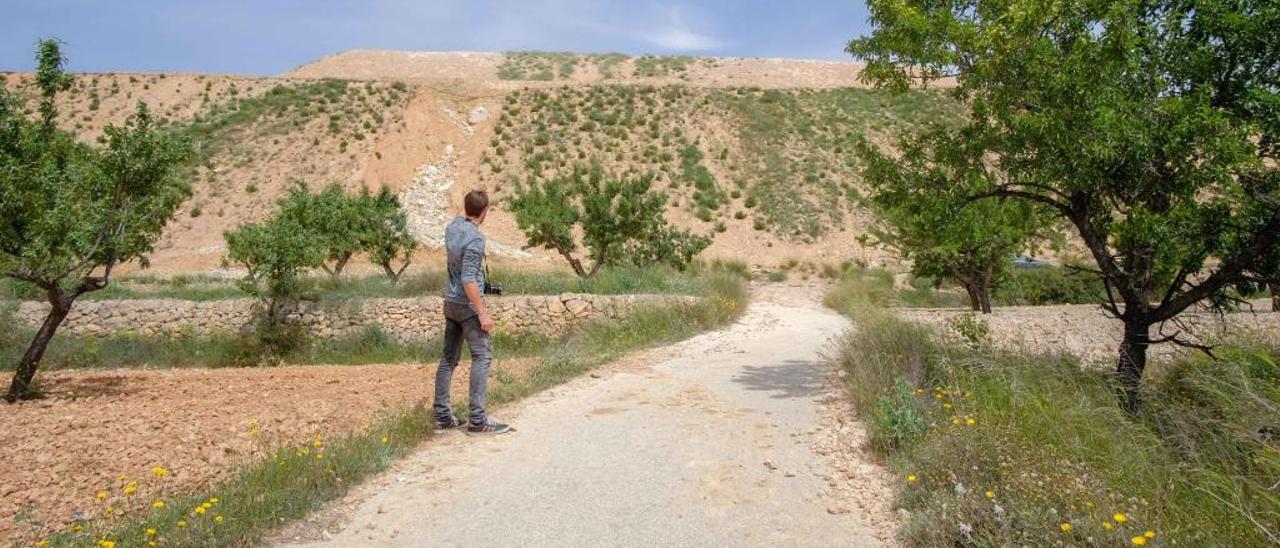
722 440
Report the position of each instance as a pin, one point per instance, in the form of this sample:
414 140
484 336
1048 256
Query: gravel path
716 441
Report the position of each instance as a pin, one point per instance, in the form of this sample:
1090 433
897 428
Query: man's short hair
475 203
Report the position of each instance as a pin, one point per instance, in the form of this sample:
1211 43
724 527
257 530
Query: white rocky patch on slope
426 203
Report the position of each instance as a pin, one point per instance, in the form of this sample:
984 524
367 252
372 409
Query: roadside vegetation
995 448
297 479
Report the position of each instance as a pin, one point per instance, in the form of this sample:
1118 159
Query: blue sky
274 36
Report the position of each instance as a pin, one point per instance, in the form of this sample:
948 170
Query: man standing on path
466 317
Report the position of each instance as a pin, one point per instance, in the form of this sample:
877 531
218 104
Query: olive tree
71 213
621 221
921 213
1151 127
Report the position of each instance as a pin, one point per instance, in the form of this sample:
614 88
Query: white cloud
675 34
682 39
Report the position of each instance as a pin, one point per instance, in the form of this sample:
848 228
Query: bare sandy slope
718 441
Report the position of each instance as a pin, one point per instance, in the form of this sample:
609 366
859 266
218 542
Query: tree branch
1228 272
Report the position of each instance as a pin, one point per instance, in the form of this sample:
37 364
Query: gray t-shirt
464 245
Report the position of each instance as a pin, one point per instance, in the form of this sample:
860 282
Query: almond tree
1151 126
918 197
621 221
70 213
385 236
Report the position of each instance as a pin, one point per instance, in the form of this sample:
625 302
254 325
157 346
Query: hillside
754 151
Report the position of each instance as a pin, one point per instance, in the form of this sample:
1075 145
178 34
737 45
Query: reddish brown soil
95 426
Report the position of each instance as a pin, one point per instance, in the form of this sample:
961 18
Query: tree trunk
1275 296
393 274
975 302
20 388
338 265
984 289
1133 359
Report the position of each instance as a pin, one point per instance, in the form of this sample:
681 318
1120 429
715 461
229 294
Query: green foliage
1050 285
1150 126
275 253
71 210
972 328
897 421
1052 443
386 236
332 215
621 221
942 234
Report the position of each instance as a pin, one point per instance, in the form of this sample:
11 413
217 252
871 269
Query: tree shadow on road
789 379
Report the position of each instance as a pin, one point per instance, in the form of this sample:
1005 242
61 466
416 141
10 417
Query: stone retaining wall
405 319
1085 331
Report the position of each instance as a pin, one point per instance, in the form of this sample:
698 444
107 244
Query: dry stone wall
405 319
1085 331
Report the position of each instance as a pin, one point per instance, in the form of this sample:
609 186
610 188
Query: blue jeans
461 322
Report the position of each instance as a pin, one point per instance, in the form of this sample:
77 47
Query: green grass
1051 444
293 482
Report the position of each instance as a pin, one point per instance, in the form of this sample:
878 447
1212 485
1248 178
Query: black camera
490 289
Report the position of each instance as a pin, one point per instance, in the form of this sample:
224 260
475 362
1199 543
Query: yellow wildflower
1120 517
217 519
43 542
151 532
104 543
1138 540
956 421
1088 504
319 456
946 405
316 443
158 504
991 495
911 478
213 500
123 477
151 543
200 510
1107 525
131 488
102 495
384 439
182 523
970 421
1066 527
1149 534
160 471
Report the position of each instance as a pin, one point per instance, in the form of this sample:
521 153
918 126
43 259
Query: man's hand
486 323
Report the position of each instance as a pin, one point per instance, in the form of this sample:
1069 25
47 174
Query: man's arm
472 263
